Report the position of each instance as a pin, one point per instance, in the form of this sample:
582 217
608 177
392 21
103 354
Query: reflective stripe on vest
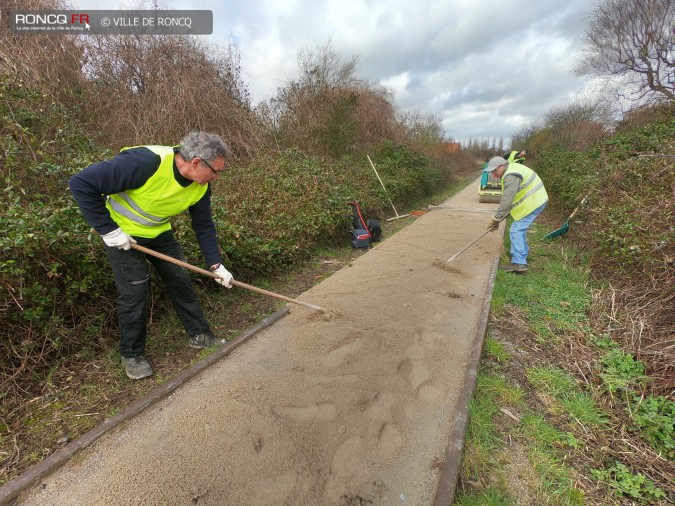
531 192
151 221
147 211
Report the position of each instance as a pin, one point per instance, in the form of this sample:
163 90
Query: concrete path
352 406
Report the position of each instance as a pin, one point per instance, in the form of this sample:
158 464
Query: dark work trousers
132 274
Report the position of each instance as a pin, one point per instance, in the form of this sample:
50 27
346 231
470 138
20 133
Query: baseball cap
494 163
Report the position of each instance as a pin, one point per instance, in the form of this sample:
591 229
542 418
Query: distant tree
522 138
633 40
420 128
578 124
328 109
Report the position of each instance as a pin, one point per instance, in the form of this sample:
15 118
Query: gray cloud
486 67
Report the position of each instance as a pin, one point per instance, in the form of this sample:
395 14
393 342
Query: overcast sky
485 67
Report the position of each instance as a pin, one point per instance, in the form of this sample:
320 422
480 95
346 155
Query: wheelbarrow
566 226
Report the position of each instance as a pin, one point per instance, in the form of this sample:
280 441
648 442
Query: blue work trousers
518 235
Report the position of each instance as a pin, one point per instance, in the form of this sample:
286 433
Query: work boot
136 367
514 267
205 340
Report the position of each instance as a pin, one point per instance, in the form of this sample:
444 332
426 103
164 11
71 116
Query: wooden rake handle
583 201
234 282
194 268
468 246
385 190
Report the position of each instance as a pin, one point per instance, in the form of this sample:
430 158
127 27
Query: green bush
270 214
277 209
655 416
621 372
626 484
631 210
51 277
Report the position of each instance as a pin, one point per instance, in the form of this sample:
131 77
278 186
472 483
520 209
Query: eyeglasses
215 172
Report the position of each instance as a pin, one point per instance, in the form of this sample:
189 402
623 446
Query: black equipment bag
365 232
360 238
375 230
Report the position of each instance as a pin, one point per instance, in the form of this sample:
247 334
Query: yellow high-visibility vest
513 157
531 193
147 211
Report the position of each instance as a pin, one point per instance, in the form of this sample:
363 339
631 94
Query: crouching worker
524 198
131 199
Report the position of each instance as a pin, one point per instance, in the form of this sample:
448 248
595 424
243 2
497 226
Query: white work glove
119 239
225 276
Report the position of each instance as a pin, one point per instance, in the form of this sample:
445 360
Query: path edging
447 484
10 491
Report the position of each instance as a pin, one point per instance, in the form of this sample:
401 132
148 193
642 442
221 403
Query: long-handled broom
398 216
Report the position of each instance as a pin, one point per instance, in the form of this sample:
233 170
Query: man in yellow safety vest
524 197
130 199
516 156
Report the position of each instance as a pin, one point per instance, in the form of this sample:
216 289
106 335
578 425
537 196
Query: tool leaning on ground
234 282
398 216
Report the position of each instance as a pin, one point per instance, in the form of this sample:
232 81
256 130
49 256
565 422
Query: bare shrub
50 64
132 90
639 316
422 129
577 125
160 87
328 109
645 115
524 136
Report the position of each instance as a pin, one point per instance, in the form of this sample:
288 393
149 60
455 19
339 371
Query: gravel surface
352 406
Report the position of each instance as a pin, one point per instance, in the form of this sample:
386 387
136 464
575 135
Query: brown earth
351 406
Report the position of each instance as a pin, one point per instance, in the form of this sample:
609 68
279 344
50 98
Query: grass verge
574 434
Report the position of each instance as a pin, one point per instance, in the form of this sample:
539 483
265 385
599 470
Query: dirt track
348 407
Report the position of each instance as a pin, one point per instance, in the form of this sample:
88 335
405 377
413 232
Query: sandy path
349 407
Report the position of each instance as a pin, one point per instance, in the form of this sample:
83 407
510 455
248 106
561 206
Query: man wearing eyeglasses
131 199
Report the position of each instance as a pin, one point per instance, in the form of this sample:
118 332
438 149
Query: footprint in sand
389 438
348 468
278 489
322 412
379 409
390 441
413 368
335 357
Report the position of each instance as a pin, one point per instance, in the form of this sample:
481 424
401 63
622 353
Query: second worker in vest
131 199
515 156
524 198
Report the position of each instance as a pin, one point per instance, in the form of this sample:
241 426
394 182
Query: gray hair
204 145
